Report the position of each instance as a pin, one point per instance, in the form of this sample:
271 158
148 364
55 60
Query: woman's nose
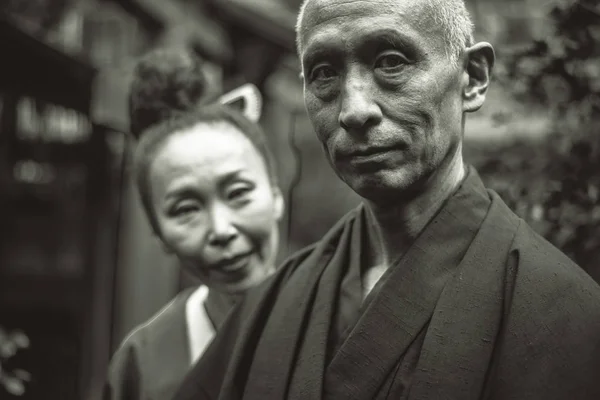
222 229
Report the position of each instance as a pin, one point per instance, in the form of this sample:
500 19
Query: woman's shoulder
168 321
153 357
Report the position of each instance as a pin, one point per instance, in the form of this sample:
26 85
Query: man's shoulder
297 260
327 244
273 285
551 317
296 266
539 264
550 283
541 259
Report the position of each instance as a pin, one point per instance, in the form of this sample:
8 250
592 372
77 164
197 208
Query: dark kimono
479 307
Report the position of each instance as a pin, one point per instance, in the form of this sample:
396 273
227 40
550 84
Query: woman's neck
218 305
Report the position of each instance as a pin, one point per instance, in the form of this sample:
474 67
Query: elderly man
433 288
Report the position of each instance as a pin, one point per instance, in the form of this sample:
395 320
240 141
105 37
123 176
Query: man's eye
323 72
390 60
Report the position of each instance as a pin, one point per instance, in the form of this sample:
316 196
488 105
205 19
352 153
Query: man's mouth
375 155
370 151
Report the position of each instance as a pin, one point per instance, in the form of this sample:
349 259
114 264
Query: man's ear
479 62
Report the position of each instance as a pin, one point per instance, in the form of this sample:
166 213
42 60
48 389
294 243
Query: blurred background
79 266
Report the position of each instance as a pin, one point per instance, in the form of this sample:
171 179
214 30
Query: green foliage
555 184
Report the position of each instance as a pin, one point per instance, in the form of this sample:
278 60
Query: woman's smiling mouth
232 264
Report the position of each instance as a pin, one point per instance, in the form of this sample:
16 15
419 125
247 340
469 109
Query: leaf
13 385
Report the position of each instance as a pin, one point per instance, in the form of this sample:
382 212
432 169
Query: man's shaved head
451 15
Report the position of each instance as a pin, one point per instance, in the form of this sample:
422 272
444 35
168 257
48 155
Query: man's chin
383 187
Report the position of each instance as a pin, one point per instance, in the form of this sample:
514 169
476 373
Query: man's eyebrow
388 37
320 47
317 50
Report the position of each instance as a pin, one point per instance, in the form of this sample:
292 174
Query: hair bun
165 81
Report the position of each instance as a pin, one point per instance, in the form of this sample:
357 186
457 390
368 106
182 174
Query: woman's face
215 206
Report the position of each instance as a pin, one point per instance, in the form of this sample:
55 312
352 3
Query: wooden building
59 196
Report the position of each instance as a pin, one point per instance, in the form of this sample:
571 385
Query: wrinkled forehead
324 20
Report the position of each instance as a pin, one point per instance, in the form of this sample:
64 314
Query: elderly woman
208 186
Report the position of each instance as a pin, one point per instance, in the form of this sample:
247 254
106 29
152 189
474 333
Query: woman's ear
162 243
479 62
279 203
250 98
165 247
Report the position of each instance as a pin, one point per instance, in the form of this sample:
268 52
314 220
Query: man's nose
358 108
222 229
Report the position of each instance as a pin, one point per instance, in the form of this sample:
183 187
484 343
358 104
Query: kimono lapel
307 379
407 298
349 298
461 337
225 374
299 323
247 332
164 352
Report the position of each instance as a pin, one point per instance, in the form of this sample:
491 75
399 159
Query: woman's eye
184 209
238 193
323 73
390 61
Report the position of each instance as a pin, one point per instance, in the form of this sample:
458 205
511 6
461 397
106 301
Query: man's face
381 93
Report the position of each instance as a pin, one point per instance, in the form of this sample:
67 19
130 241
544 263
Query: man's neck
393 228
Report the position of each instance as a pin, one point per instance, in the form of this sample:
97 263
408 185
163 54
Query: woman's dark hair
165 81
167 96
